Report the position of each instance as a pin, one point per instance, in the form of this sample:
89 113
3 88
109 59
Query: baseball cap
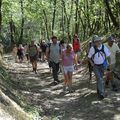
96 38
110 38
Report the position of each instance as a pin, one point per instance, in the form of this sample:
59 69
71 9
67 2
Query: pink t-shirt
68 59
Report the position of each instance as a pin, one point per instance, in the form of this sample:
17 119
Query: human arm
117 50
62 57
108 57
90 54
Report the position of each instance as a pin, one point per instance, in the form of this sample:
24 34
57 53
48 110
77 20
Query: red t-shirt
76 46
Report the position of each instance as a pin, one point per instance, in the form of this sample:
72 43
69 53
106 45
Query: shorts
33 58
77 53
68 69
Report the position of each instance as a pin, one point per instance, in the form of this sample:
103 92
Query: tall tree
46 23
115 23
22 21
53 21
68 17
0 15
76 17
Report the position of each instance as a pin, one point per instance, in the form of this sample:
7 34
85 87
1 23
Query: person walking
62 48
33 55
20 53
114 49
76 47
53 57
14 52
43 47
68 60
98 54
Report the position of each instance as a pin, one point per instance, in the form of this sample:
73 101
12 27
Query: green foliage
92 17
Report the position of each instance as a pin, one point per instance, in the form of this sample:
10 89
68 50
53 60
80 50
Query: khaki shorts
77 53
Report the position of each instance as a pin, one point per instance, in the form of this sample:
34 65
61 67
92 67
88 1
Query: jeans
55 69
99 72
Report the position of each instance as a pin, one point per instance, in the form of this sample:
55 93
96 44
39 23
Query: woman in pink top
68 59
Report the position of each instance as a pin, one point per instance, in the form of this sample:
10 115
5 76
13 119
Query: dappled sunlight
109 111
38 90
116 116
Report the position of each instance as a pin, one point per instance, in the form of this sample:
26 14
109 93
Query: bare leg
65 81
70 81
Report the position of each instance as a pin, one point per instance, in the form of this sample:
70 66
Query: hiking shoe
55 82
71 91
64 88
101 97
75 67
58 81
115 89
98 92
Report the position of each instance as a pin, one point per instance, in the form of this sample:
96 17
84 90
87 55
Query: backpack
98 51
105 64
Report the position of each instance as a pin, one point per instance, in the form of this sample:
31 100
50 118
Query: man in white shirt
97 56
114 49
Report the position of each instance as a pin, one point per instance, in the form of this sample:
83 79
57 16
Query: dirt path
83 104
4 115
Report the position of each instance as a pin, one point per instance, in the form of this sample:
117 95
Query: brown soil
82 104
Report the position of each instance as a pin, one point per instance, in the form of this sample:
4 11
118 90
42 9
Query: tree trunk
111 14
53 21
46 23
82 23
22 23
11 31
68 18
62 21
76 17
88 18
0 15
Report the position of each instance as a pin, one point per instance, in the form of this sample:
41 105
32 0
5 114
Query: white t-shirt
113 51
99 57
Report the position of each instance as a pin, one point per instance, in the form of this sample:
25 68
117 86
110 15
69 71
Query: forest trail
82 104
4 115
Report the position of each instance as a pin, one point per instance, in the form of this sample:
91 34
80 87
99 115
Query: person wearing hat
97 55
114 49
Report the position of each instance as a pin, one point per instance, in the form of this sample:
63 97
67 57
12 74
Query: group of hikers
102 57
66 58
